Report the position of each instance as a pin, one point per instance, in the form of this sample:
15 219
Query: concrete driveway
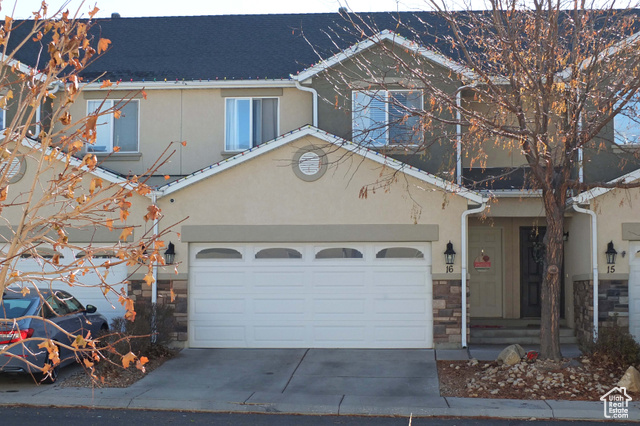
325 377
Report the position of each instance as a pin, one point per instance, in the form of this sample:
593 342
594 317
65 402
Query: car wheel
50 377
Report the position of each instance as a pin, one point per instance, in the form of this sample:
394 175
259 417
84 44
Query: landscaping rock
511 355
631 380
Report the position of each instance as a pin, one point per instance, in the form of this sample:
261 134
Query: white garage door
634 290
88 290
311 295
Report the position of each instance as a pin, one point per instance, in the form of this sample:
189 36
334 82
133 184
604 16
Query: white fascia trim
98 172
388 35
191 84
632 39
589 195
25 69
329 138
515 193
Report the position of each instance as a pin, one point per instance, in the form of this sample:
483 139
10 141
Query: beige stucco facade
266 191
194 115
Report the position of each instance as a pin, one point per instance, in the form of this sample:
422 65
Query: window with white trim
250 122
384 117
115 134
626 125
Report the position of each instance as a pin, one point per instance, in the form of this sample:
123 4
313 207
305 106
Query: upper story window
114 132
250 122
384 117
626 125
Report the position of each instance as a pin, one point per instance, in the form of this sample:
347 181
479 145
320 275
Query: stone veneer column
613 306
447 313
140 291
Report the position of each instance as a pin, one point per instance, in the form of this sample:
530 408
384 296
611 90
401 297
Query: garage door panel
343 281
280 333
275 282
402 333
339 333
308 302
206 279
218 309
280 306
222 335
339 308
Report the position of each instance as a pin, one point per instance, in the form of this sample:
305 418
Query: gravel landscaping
571 379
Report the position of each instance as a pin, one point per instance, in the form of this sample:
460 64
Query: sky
134 8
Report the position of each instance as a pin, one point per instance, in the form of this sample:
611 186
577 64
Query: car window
73 304
57 306
15 308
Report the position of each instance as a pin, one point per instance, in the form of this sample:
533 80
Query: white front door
634 289
349 295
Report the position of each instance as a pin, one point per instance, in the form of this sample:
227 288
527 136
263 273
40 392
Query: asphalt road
38 416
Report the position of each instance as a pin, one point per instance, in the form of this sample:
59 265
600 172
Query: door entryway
485 268
531 260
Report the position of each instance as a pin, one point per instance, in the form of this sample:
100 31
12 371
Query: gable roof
400 41
354 148
233 47
76 162
589 195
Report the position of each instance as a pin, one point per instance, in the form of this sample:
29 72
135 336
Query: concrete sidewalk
302 381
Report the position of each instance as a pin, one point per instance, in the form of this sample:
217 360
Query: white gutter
190 84
465 262
314 93
594 263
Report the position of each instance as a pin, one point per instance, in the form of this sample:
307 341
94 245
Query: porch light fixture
565 236
170 254
611 254
449 254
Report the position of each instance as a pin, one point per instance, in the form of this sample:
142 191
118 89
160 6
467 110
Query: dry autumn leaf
126 232
128 359
103 45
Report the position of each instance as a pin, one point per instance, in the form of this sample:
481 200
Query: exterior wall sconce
611 254
565 236
449 254
170 254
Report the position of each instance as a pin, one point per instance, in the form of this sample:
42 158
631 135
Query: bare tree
541 79
63 189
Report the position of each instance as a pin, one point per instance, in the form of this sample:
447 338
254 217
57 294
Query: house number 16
449 269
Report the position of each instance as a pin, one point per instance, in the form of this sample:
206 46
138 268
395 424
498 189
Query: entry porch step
528 335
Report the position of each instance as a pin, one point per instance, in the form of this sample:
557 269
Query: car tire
51 377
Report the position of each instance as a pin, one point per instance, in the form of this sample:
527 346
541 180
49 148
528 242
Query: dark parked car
60 309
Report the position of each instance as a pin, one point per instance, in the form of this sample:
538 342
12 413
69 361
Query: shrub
614 346
135 336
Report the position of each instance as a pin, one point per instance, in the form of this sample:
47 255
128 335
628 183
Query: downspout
154 285
465 262
458 137
594 263
314 97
